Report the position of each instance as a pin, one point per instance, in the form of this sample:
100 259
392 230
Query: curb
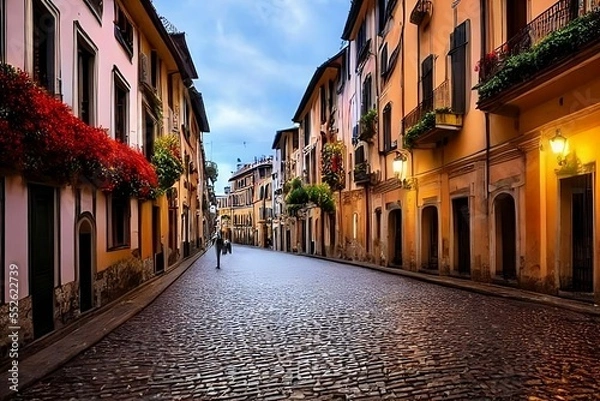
477 287
79 336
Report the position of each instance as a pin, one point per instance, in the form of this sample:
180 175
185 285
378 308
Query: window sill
118 248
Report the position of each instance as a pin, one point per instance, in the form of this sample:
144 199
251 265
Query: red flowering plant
333 165
42 139
487 65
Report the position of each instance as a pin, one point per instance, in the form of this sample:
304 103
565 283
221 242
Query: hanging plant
368 125
212 171
167 160
333 165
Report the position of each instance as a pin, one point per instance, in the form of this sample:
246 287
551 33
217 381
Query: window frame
126 42
111 220
323 104
96 7
120 83
83 41
2 31
306 127
2 236
54 87
388 144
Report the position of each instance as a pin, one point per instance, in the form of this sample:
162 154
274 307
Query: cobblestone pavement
273 326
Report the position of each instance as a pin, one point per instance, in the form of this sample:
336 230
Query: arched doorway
429 238
86 255
395 231
506 237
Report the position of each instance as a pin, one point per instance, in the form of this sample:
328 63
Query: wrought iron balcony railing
554 18
439 99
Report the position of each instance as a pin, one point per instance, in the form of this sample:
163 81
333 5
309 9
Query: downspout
483 22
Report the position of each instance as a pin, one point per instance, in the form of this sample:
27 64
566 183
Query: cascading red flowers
41 138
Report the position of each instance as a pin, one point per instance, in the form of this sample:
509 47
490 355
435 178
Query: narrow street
276 326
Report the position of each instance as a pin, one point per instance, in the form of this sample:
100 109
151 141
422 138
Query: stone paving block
281 326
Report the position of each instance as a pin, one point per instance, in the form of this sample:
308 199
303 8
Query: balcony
362 173
421 14
555 53
432 121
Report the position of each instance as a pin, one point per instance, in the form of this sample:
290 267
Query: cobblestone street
274 326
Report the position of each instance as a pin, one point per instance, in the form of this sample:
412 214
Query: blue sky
254 60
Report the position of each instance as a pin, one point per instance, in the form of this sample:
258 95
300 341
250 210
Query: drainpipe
483 21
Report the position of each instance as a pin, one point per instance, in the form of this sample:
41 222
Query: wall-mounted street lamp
400 168
558 143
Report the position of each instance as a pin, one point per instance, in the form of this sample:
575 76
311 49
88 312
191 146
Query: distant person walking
219 248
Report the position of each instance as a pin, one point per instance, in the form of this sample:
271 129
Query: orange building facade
469 130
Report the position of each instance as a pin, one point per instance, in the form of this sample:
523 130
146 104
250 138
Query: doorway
462 235
429 238
41 242
577 233
86 236
159 260
506 237
395 223
516 17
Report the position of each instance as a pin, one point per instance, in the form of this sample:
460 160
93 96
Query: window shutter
427 82
384 60
359 155
458 60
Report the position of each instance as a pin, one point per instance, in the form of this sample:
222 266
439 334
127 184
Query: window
96 6
323 104
378 224
359 155
361 39
149 128
170 91
2 239
118 214
387 127
367 100
123 30
383 64
458 59
306 127
295 140
427 82
331 95
121 107
44 46
348 74
86 56
2 31
381 14
155 69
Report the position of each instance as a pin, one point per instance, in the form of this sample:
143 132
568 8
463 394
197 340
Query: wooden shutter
427 82
458 60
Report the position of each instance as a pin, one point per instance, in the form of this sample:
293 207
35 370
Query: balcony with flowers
332 169
432 121
557 51
41 139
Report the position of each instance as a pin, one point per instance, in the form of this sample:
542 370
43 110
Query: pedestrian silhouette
219 247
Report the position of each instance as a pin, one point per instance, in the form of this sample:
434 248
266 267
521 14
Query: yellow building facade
480 161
